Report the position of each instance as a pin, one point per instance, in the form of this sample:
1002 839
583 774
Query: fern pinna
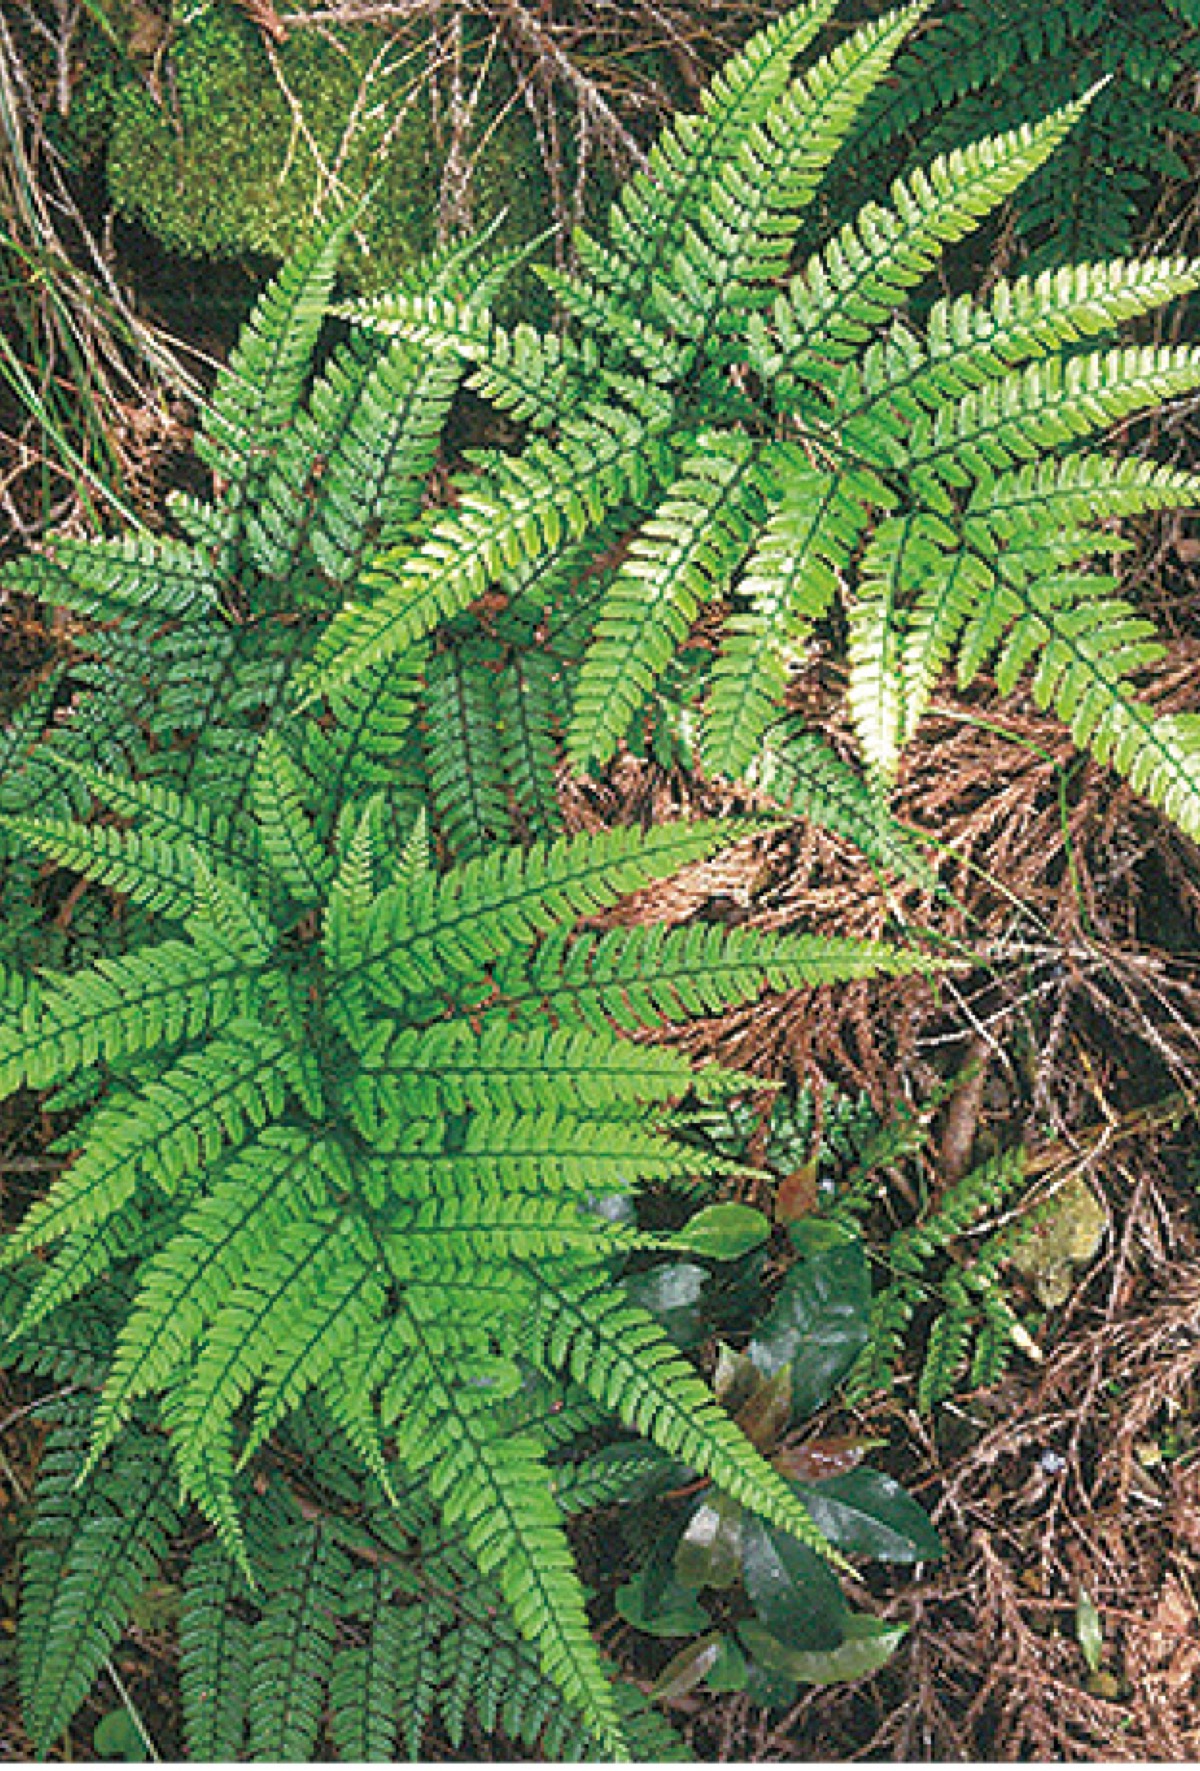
358 1121
766 440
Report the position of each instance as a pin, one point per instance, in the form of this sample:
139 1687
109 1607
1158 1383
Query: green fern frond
282 1325
258 393
163 1134
648 223
291 849
530 375
549 1150
684 556
425 932
450 1069
788 584
157 875
279 520
292 1644
93 1545
620 1355
636 978
268 1184
969 341
615 326
214 1656
498 1491
1079 490
372 739
462 746
118 1009
527 694
168 816
76 1346
529 505
740 240
368 1688
83 1257
370 490
867 270
138 577
801 771
1017 417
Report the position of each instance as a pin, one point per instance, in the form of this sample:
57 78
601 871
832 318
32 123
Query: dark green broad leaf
791 1588
821 1319
731 1669
865 1513
117 1736
710 1550
689 1667
672 1293
869 1644
770 1691
661 1607
723 1232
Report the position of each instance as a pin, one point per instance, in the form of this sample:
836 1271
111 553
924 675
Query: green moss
228 162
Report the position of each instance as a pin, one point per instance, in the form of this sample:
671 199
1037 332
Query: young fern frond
800 770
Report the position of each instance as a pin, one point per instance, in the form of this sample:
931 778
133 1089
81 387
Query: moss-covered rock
234 154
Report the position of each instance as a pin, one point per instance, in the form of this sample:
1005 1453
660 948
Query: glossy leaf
818 1459
791 1588
735 1379
765 1415
723 1232
865 1513
690 1667
868 1645
710 1550
821 1319
730 1670
660 1608
672 1293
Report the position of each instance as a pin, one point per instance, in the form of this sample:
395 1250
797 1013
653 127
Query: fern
981 62
971 1326
779 441
363 1106
94 1543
